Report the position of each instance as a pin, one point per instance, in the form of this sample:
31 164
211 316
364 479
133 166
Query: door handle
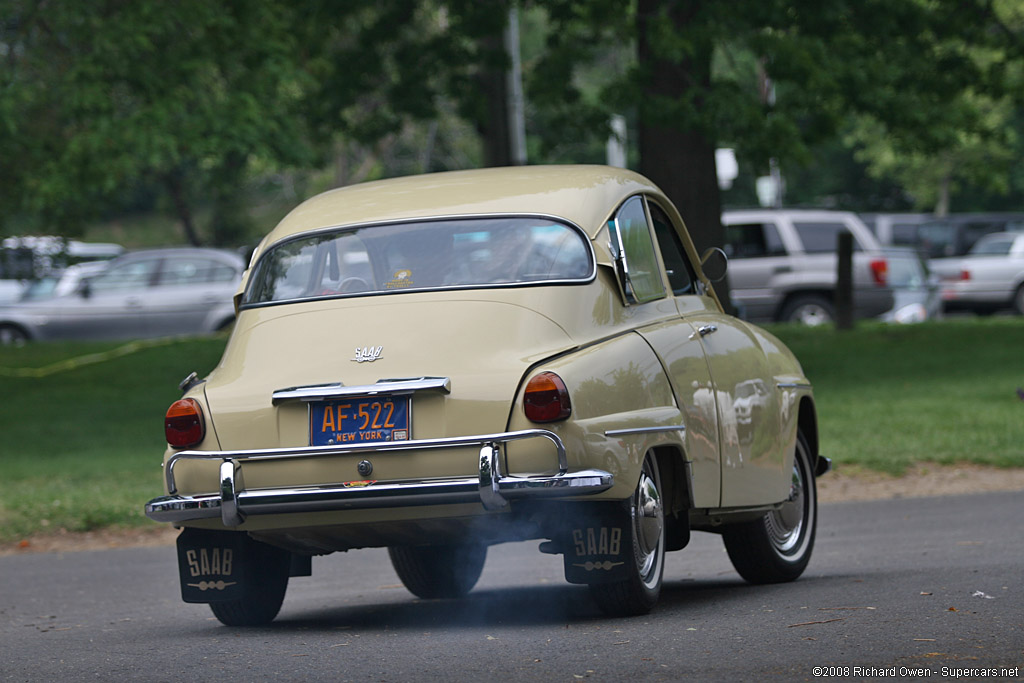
705 330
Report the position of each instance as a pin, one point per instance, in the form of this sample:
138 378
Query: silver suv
782 265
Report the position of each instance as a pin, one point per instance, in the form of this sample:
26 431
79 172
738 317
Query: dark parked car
151 293
951 235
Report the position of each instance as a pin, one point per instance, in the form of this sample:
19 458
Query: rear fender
622 406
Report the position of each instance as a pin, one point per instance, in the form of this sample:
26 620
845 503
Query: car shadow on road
518 606
507 606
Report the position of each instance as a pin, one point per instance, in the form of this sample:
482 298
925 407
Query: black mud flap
217 566
596 545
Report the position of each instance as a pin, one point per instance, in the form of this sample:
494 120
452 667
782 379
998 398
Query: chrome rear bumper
233 503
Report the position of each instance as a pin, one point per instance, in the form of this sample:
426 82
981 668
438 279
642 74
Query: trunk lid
483 346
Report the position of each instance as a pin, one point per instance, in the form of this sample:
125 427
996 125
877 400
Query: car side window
131 275
186 271
904 233
637 261
753 240
677 267
821 237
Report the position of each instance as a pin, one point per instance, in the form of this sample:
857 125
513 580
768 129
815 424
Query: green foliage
903 62
101 95
980 142
189 106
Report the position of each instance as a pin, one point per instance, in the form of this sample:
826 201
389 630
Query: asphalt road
933 587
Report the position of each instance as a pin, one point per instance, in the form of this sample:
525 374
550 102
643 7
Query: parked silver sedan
151 293
989 278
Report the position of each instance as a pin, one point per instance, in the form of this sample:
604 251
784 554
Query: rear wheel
777 547
639 593
808 309
439 571
263 593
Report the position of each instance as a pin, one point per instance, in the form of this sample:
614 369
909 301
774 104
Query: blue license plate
359 420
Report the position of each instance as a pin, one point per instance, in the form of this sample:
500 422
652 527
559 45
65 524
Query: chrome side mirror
714 263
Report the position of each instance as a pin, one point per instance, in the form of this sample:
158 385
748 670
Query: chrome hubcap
786 524
649 521
812 315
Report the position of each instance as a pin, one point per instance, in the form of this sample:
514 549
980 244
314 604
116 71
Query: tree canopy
194 100
188 95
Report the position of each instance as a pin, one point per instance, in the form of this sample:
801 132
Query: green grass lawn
945 392
81 434
81 446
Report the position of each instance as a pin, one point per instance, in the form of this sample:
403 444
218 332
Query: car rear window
997 246
448 254
821 237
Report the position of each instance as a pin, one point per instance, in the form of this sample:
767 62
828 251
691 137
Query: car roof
583 195
805 214
225 255
1008 216
1008 236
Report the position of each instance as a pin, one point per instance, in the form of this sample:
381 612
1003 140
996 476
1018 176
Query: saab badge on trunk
367 354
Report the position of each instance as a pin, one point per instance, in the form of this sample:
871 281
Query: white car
31 265
62 282
11 291
989 278
915 288
143 294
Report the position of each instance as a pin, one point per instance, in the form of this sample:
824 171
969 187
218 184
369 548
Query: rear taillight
880 271
965 275
546 399
184 425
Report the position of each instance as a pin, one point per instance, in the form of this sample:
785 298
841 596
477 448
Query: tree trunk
231 225
494 127
176 188
942 203
679 155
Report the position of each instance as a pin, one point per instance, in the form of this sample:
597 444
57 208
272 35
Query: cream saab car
437 364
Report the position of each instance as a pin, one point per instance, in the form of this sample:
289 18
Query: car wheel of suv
439 571
12 335
263 593
777 547
639 593
808 309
